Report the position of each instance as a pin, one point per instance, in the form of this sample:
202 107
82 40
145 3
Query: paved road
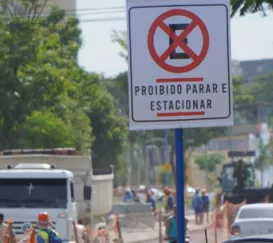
199 236
196 237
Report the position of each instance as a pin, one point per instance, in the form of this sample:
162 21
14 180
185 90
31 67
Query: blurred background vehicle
253 219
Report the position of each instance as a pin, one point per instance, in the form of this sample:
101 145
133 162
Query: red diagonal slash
178 41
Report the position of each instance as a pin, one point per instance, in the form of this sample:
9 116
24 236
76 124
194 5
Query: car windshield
33 193
250 213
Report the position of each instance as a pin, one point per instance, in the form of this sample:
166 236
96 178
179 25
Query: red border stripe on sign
177 80
194 113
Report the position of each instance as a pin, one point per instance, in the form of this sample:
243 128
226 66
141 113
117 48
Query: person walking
46 234
170 200
197 207
151 200
171 227
206 204
128 197
135 196
4 231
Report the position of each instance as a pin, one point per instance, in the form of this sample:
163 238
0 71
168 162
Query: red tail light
235 230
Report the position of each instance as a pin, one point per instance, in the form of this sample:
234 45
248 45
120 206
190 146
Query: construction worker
46 234
240 174
151 200
170 200
171 227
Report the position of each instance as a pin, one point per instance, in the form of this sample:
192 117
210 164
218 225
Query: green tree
263 86
108 123
243 95
250 6
38 65
46 130
209 161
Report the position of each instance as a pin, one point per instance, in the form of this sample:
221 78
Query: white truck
55 181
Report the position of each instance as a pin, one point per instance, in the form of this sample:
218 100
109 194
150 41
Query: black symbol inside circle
174 54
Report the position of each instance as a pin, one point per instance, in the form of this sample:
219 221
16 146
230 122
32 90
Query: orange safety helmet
43 216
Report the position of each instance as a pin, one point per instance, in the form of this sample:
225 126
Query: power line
93 10
98 9
102 20
88 13
76 14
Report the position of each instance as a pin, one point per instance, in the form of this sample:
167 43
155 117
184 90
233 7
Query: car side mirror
87 192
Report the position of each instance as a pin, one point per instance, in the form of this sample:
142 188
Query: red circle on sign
178 41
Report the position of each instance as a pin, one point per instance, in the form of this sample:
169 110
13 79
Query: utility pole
145 164
206 169
207 174
130 162
166 156
166 146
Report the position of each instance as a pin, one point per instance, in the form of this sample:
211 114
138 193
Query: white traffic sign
179 64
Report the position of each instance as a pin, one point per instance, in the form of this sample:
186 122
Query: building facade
69 6
16 9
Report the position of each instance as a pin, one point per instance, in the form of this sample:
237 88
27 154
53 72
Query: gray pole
166 146
130 162
207 174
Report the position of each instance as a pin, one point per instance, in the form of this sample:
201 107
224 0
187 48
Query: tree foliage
243 95
264 85
45 130
46 99
209 161
250 6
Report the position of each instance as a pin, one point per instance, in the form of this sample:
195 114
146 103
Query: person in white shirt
81 230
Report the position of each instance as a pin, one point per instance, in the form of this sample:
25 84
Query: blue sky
251 37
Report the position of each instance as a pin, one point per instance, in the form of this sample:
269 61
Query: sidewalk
151 236
194 227
141 237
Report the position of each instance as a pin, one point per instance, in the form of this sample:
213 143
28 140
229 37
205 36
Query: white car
253 219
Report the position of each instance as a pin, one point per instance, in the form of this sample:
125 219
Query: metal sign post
180 208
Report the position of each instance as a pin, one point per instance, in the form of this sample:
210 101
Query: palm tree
250 6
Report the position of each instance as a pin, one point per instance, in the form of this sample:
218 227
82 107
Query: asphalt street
199 236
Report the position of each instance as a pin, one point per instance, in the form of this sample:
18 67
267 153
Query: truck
231 190
60 182
238 185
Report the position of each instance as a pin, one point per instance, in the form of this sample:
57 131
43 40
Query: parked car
252 239
253 219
